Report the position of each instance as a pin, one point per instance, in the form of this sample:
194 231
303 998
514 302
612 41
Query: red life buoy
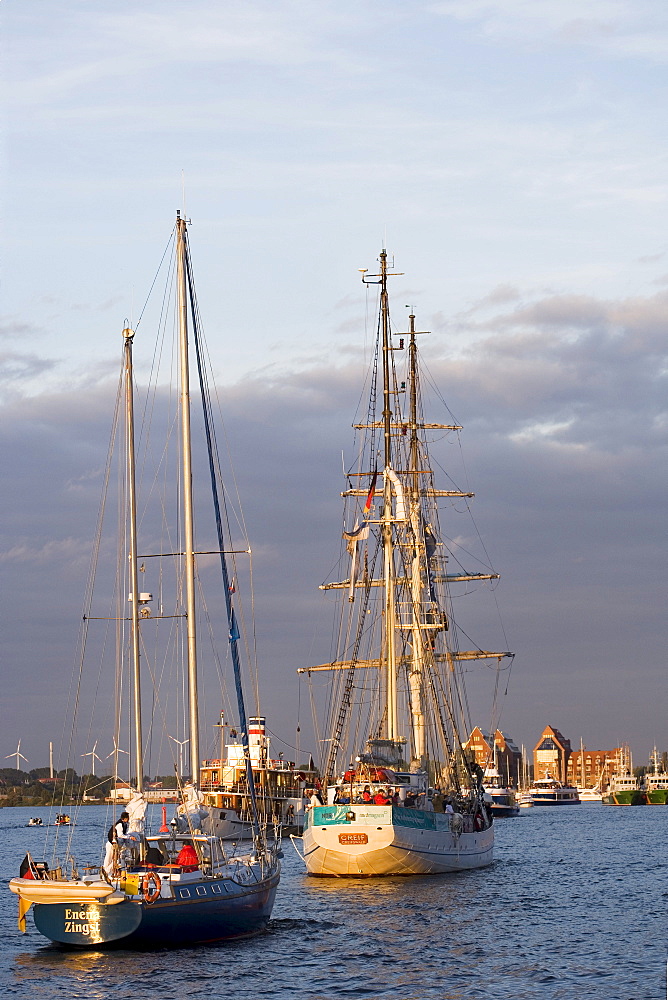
151 895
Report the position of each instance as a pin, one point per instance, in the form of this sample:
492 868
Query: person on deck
117 835
366 794
187 858
381 799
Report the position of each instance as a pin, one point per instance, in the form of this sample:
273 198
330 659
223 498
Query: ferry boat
280 787
548 791
502 798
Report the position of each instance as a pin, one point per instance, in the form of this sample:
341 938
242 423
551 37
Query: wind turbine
115 752
17 753
181 744
93 756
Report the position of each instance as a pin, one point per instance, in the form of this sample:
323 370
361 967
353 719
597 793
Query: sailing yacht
399 795
180 885
585 792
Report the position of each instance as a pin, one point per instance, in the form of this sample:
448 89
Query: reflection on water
573 908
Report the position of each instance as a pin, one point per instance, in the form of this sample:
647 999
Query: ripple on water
572 909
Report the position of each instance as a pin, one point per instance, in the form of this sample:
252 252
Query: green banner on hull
376 816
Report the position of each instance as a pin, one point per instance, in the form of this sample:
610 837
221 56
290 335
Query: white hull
589 795
230 828
393 848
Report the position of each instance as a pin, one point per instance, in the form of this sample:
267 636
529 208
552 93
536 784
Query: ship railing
241 788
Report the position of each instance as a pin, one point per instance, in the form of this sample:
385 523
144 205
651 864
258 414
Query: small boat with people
35 821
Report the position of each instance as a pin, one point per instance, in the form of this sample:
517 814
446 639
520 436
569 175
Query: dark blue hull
212 911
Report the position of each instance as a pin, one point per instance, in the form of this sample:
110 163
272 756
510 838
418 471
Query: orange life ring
151 896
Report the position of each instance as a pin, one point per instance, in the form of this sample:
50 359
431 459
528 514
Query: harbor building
551 755
481 745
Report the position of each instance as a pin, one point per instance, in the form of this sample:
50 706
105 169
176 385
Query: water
574 907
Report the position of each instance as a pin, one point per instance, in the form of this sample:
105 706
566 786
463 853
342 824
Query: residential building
551 755
586 768
508 758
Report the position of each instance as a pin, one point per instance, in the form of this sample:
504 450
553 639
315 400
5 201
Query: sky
510 155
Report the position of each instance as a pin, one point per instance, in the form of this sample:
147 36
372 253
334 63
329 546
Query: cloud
17 369
564 442
620 30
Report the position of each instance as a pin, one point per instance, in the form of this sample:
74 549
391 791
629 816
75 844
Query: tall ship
181 884
399 795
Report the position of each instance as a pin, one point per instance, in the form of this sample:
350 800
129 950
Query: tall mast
188 532
417 583
392 725
134 584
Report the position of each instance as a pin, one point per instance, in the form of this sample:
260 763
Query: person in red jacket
188 858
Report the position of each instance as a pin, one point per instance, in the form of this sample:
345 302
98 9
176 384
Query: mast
391 723
417 655
234 633
134 583
188 531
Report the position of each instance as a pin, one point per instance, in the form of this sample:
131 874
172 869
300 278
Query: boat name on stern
82 922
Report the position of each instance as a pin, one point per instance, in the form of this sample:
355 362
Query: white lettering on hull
81 922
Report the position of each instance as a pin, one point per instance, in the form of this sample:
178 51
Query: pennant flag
372 490
233 586
358 534
24 906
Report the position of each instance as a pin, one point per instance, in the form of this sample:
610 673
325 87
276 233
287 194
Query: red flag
367 505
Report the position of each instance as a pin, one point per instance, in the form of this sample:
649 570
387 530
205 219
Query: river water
573 907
